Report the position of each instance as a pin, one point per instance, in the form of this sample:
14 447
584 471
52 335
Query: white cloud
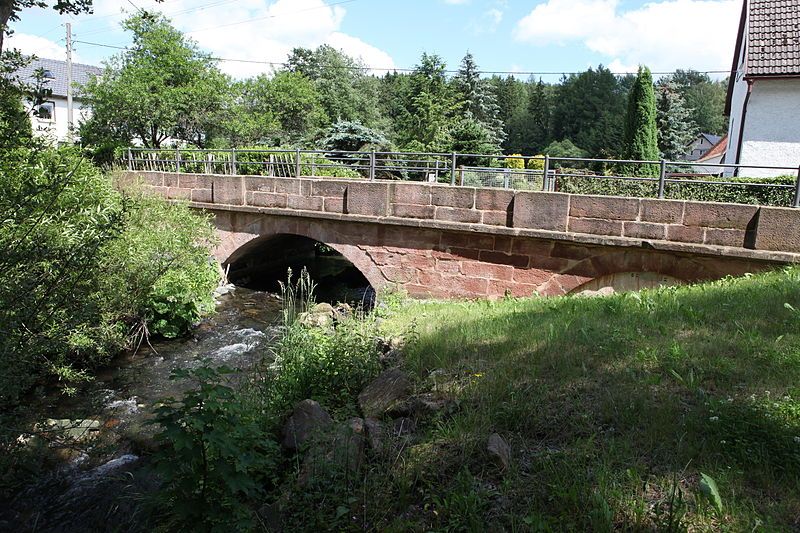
664 35
256 30
32 44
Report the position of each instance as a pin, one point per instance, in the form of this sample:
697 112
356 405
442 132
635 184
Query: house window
46 111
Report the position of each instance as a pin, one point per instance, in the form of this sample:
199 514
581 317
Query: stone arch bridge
445 241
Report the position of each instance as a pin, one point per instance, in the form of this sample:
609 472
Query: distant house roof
713 139
80 73
717 150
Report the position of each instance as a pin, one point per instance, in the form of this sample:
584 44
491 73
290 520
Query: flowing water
99 483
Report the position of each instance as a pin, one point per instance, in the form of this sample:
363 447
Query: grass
613 407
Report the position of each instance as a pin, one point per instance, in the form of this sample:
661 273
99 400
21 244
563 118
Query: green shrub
746 193
83 267
214 459
328 365
515 161
536 162
161 276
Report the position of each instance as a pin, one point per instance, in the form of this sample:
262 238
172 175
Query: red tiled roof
773 38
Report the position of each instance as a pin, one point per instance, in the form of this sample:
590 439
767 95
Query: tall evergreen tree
589 108
430 107
477 100
675 127
641 132
705 98
539 116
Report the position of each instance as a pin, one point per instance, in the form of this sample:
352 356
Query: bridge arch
634 270
241 236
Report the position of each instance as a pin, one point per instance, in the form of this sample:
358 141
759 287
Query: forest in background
163 90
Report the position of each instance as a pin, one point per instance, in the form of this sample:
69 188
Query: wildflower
714 418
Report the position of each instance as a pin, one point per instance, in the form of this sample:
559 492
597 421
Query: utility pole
69 79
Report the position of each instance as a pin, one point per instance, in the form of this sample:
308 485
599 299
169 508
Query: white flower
714 418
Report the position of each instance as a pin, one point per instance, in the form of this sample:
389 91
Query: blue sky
503 35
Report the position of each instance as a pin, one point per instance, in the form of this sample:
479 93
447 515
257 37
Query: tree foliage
477 100
675 127
162 88
641 132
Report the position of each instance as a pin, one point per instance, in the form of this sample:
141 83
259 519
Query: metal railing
544 173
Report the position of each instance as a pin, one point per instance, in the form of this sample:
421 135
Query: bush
83 267
746 193
161 275
214 458
515 161
330 366
536 162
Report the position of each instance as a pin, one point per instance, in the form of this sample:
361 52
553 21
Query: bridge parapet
669 224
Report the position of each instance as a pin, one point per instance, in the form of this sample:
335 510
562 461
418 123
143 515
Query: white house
764 91
51 117
700 145
713 156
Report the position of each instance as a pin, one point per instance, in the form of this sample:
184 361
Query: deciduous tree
162 88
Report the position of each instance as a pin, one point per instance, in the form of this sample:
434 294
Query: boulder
71 430
315 320
499 450
307 419
389 388
425 404
404 426
323 309
374 432
339 449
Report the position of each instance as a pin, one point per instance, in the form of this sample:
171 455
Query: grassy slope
612 407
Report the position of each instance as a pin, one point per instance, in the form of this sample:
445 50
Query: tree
675 127
353 137
468 136
589 107
641 133
705 98
345 90
476 98
512 99
162 88
430 107
539 111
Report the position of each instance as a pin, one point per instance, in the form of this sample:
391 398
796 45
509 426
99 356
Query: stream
98 482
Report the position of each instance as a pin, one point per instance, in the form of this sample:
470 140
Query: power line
397 69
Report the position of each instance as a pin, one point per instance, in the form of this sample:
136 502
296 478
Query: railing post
505 178
233 161
545 173
662 178
177 159
796 201
271 168
297 170
372 165
209 158
130 159
453 168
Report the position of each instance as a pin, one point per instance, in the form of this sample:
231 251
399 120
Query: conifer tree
675 127
477 99
641 132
